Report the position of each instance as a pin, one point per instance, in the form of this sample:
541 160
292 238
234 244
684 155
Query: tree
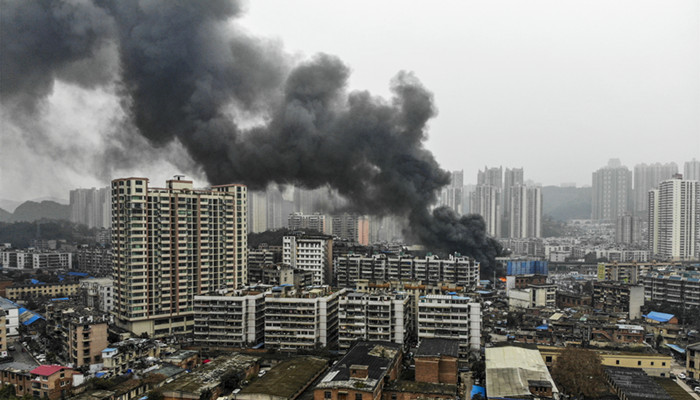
579 373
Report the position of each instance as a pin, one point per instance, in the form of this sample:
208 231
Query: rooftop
288 378
48 370
379 357
436 347
509 368
209 375
635 384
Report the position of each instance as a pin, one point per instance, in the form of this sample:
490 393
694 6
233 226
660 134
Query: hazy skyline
557 88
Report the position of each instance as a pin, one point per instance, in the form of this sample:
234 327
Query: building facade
612 192
648 177
310 253
236 320
486 201
170 244
374 317
674 219
453 318
91 207
525 214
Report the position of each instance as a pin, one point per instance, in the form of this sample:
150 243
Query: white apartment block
374 317
236 320
533 296
310 253
525 212
612 192
100 293
430 270
674 219
485 200
170 244
451 317
302 320
20 259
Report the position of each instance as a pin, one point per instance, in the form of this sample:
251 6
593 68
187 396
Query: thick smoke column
186 73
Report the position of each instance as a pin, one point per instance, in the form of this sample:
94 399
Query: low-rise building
692 360
234 320
533 296
51 381
122 356
34 259
210 377
451 317
652 363
566 299
436 361
617 334
362 373
11 316
674 285
52 290
612 297
517 373
285 381
17 375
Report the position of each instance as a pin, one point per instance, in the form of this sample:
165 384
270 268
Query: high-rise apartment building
91 207
674 219
491 177
486 201
170 244
310 253
612 191
647 177
628 229
452 195
257 212
233 320
351 227
691 170
512 178
525 212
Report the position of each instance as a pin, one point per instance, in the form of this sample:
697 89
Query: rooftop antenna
178 177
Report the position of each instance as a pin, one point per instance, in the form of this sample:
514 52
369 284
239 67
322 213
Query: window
548 359
327 395
358 396
617 362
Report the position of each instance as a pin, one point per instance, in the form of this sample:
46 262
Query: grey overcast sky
557 87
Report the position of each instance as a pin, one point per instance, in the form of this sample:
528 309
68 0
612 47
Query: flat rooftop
288 378
208 376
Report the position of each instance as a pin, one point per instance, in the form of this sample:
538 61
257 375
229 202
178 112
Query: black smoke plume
187 74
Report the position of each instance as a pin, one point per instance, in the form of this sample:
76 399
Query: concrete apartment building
32 259
20 292
351 227
3 334
302 319
234 320
485 200
374 317
96 261
86 340
674 219
122 356
676 286
91 207
533 296
99 293
362 373
615 297
450 317
612 192
430 270
11 312
51 382
314 222
310 253
525 213
648 177
17 376
171 244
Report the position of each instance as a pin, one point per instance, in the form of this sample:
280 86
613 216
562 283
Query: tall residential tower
170 244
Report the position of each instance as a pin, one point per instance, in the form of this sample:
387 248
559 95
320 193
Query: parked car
682 376
11 348
697 389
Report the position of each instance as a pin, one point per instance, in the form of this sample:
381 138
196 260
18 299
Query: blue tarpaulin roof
659 316
542 327
60 299
21 310
36 282
77 273
676 348
480 390
32 320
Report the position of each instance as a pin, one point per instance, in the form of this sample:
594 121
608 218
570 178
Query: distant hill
30 211
9 205
565 203
21 234
5 216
